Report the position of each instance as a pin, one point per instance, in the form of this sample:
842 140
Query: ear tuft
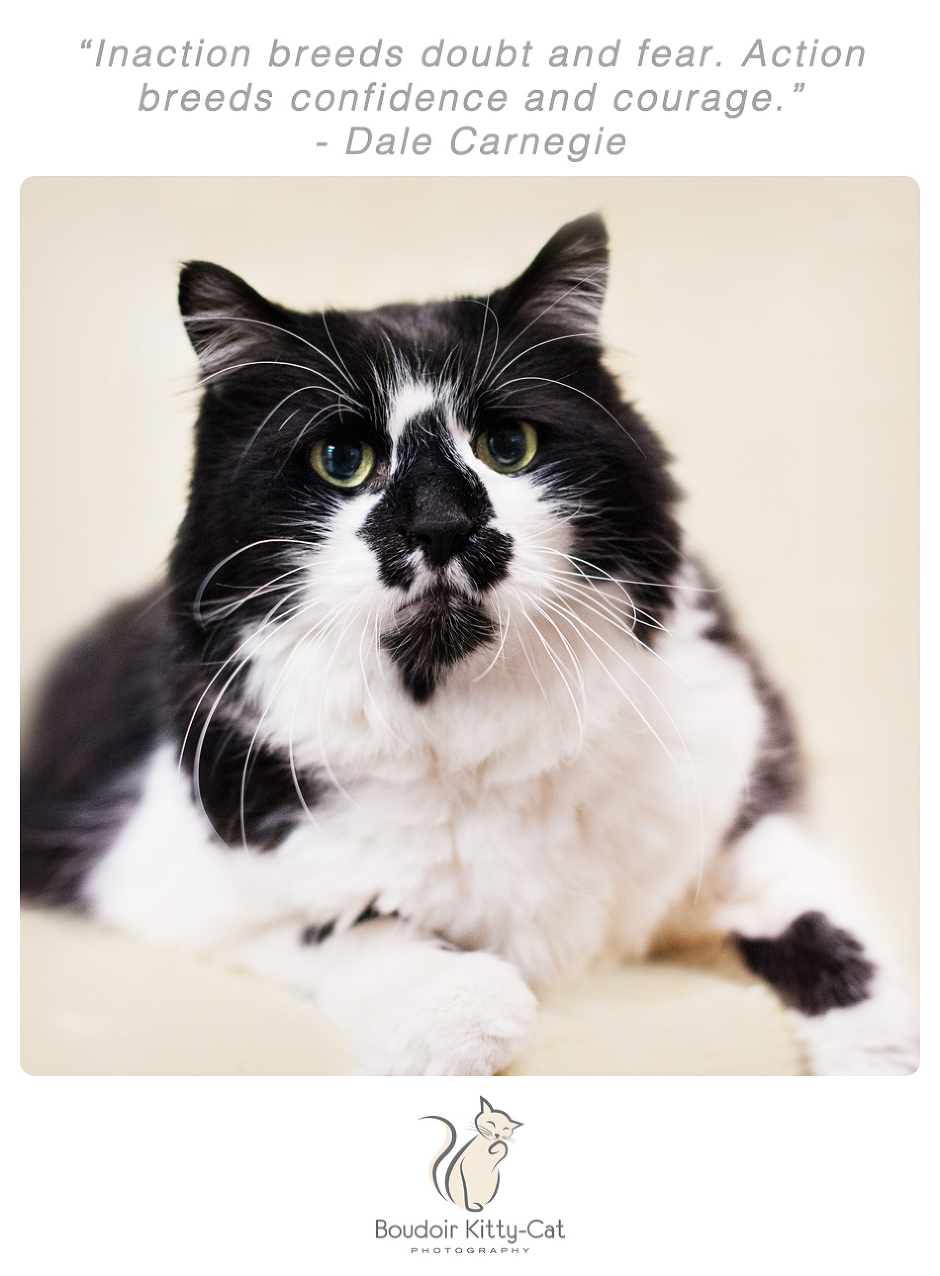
226 320
564 286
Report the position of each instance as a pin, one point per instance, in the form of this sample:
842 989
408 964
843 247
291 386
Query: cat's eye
343 462
507 448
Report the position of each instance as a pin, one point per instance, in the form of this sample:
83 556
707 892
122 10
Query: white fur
409 399
877 1037
497 816
408 1005
775 874
564 793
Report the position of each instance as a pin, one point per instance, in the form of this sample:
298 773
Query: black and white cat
435 704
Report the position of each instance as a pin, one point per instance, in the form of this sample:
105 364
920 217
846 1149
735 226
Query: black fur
436 505
777 779
247 790
433 634
813 965
98 719
275 382
317 934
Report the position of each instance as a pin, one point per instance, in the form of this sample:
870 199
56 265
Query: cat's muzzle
433 632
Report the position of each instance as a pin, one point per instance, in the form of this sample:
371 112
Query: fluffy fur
413 743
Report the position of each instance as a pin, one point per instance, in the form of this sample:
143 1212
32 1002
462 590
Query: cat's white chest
545 869
520 870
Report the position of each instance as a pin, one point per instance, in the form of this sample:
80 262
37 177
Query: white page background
647 1174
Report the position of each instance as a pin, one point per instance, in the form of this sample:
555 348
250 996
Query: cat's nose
441 538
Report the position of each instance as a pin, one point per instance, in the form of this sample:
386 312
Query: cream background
767 327
95 1003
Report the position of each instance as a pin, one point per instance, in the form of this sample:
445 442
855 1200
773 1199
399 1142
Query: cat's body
471 1179
436 706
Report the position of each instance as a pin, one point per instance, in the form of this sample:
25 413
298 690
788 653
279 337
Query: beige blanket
97 1003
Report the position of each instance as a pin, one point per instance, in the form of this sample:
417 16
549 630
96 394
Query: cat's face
493 1124
397 505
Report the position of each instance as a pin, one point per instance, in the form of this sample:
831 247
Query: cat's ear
565 285
484 1106
517 1124
227 322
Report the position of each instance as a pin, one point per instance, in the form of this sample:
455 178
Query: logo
471 1179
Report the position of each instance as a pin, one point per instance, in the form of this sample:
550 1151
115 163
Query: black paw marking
370 913
317 934
813 965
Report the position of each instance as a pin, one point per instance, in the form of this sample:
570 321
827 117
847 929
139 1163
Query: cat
436 703
472 1178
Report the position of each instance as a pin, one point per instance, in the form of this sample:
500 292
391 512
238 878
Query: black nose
441 536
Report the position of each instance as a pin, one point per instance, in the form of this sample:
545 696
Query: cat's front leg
409 1004
784 910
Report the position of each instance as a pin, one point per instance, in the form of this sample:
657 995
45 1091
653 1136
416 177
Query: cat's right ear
228 323
563 289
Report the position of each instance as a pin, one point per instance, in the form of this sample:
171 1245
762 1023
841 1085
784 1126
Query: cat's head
393 506
492 1123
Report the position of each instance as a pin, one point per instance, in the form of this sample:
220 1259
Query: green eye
507 448
342 463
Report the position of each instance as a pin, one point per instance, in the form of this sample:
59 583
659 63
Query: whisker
323 753
554 659
580 624
267 623
565 336
195 320
224 610
313 630
586 280
343 368
584 394
504 634
269 540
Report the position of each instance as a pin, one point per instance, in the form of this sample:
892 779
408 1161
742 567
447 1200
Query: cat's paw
467 1017
877 1037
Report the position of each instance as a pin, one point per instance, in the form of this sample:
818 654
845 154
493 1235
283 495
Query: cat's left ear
484 1106
564 287
227 322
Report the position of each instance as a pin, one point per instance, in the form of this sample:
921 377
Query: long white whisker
365 677
565 336
579 624
270 540
323 753
587 279
195 320
342 368
574 390
561 673
504 634
224 610
323 625
268 623
487 311
354 407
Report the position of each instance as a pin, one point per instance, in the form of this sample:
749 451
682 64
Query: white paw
468 1019
876 1038
431 1012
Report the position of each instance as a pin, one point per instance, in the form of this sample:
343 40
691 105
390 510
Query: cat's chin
432 633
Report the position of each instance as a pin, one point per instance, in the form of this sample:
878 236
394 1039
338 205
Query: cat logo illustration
472 1177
